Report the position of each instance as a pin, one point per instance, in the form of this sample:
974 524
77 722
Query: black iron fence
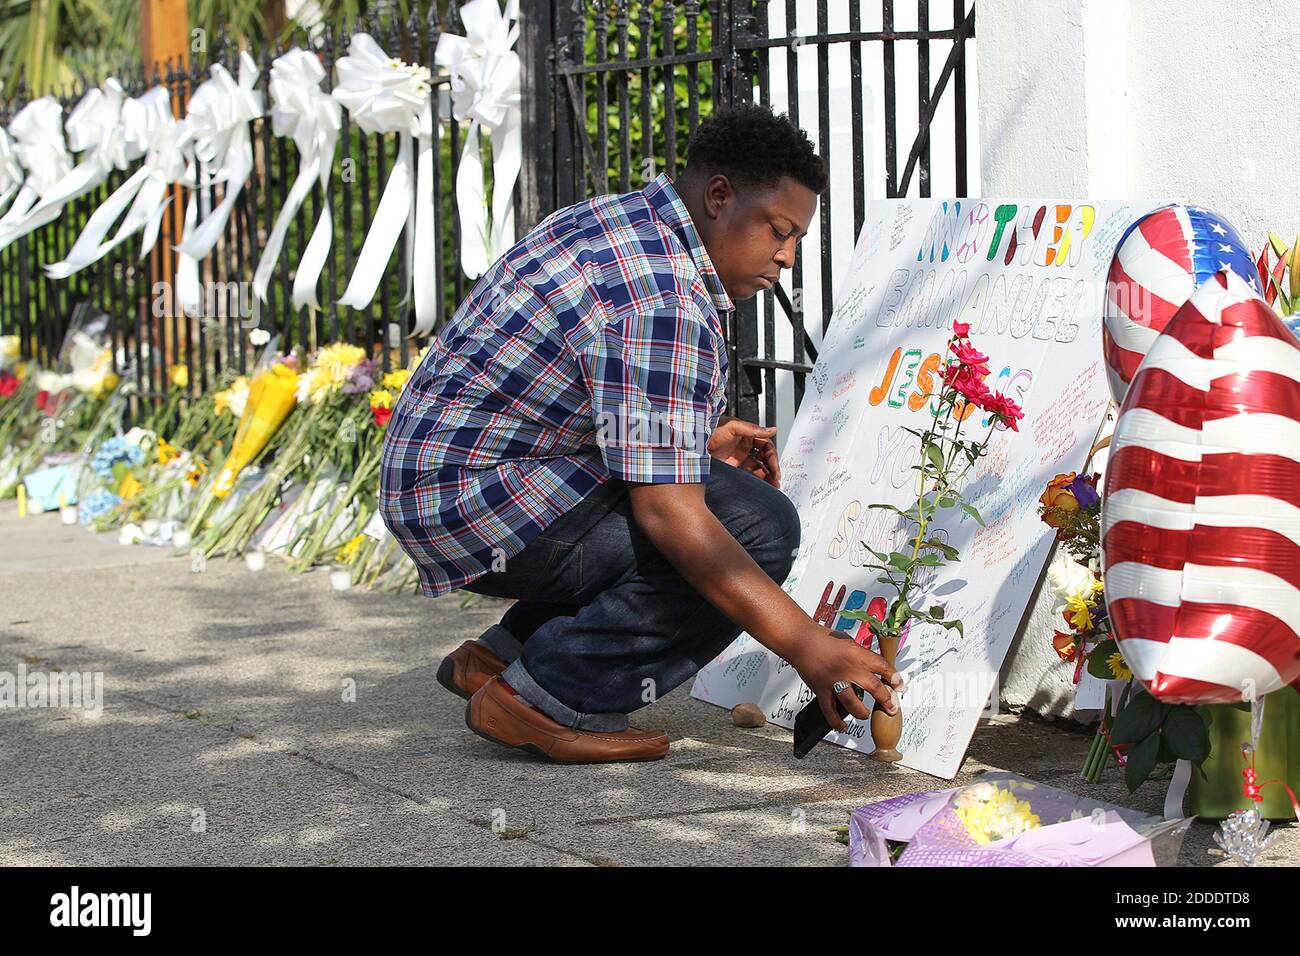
614 87
148 333
611 91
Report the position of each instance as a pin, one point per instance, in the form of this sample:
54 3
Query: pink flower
960 330
968 382
971 357
1004 408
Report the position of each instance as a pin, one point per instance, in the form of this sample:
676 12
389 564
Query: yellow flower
992 813
10 349
196 472
349 550
232 398
396 381
1118 666
20 371
1078 608
130 487
329 371
105 385
179 376
166 451
380 398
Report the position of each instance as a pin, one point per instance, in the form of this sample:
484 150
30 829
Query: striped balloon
1160 261
1201 513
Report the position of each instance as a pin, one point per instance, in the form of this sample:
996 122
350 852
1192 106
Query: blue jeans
603 623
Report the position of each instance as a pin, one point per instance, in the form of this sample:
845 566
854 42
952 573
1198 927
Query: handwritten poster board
1029 277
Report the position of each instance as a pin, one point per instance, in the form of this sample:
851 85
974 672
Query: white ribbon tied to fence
94 128
37 133
484 71
301 110
385 95
11 171
149 128
217 129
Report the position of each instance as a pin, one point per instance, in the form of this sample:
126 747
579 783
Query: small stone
747 715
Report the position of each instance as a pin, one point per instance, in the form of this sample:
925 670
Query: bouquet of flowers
1007 820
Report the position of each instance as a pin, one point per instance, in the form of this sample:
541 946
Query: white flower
1067 576
238 399
9 350
258 337
130 534
140 437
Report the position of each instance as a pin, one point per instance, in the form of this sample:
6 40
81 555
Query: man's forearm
706 555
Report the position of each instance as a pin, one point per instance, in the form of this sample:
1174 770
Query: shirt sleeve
654 377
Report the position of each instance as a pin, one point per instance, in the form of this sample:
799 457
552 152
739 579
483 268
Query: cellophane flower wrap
271 397
1008 820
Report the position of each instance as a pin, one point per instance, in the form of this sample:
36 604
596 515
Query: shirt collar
663 197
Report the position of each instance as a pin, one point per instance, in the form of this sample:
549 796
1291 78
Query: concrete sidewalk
226 739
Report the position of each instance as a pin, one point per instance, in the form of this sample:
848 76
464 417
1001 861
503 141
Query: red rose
8 384
960 330
382 415
1005 408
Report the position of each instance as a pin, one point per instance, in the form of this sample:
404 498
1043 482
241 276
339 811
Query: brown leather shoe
496 714
468 668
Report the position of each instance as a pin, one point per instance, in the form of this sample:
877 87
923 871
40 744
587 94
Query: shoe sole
537 751
447 678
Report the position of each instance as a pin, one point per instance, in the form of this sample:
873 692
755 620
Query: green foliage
1153 733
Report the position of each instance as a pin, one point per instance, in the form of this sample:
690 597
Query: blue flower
1084 489
100 503
115 450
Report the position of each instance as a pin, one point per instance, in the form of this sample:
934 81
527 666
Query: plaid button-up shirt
593 349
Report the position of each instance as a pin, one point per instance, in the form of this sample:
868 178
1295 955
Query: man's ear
718 194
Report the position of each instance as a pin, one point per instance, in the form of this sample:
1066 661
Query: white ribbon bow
37 133
11 171
94 129
300 109
484 74
217 127
148 127
385 95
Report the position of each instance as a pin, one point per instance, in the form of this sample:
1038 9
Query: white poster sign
1029 278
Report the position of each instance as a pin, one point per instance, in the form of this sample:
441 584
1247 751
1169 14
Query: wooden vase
887 729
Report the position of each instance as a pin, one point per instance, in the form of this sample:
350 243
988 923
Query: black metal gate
613 88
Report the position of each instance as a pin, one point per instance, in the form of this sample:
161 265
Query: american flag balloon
1201 513
1160 261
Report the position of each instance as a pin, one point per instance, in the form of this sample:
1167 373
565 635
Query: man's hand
748 446
822 659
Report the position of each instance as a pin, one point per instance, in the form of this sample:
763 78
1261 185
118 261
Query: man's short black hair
752 146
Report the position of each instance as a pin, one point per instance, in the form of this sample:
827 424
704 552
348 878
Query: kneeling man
563 444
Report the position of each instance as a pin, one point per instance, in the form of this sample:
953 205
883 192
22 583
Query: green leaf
900 562
1141 761
936 612
935 455
1186 734
885 507
973 512
1097 665
947 501
879 555
954 625
930 560
947 550
1141 717
902 611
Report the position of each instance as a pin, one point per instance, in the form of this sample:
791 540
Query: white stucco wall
1150 99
